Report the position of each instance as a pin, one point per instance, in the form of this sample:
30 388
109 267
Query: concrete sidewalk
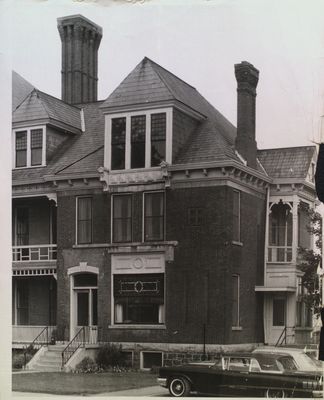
151 391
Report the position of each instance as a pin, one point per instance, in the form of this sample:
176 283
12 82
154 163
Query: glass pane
154 216
94 307
36 156
21 149
83 308
122 218
158 135
279 306
83 280
138 126
84 220
118 137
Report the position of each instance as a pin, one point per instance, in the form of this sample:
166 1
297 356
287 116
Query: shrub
110 355
18 360
87 365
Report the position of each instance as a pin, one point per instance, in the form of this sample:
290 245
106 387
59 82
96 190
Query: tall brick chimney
247 79
80 42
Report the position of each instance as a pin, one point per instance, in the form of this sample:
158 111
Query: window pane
21 149
138 298
279 313
36 146
235 300
84 234
158 135
118 138
154 216
122 218
22 226
138 141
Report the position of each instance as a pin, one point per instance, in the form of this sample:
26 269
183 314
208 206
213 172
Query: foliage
19 359
87 365
309 260
111 355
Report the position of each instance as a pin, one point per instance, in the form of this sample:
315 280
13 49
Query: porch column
294 229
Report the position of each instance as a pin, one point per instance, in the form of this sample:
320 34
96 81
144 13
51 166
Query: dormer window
29 147
138 139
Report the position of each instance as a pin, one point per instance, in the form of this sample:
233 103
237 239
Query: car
303 361
257 375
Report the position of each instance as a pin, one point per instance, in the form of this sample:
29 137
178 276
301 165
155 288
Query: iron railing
40 252
285 334
78 341
42 339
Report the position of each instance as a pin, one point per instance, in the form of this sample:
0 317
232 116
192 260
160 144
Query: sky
197 40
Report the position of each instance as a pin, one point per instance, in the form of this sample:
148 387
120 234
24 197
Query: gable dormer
142 115
41 123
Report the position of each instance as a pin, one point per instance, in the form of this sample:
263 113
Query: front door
84 313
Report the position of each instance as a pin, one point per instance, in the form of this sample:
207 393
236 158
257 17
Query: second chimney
80 42
247 79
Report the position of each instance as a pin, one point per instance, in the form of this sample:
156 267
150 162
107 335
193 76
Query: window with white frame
29 147
84 220
153 216
235 301
139 139
122 218
139 299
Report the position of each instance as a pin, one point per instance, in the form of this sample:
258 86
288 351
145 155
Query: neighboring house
145 217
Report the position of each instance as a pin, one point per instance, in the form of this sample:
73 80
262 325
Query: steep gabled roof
20 89
290 162
41 106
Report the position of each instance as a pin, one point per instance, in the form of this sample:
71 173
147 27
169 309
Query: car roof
279 350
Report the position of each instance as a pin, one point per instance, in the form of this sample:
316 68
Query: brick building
148 218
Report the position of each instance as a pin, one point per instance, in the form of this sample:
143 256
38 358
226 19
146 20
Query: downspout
266 242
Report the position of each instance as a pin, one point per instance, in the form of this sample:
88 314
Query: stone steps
50 360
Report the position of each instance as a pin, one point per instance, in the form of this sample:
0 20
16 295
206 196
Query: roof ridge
29 94
56 98
169 72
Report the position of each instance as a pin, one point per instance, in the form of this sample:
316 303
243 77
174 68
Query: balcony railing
41 252
280 254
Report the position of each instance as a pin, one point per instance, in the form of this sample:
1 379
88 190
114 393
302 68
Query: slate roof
20 89
39 105
151 83
290 162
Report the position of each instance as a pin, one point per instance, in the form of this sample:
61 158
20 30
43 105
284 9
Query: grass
80 384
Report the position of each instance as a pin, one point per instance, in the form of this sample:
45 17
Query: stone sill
235 243
237 328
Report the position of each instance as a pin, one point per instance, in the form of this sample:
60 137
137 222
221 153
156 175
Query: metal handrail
284 334
73 346
37 342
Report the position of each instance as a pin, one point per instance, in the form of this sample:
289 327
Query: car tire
179 387
275 394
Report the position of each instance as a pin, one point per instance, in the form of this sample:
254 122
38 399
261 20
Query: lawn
80 384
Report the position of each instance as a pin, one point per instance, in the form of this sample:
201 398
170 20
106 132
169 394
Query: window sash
138 138
29 148
118 143
36 145
154 216
122 218
158 138
21 149
84 221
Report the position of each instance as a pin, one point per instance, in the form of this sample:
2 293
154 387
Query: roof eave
46 121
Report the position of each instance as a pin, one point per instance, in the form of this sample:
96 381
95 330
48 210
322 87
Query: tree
309 260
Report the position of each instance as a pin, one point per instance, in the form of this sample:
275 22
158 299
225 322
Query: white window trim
128 115
143 215
238 326
76 218
28 161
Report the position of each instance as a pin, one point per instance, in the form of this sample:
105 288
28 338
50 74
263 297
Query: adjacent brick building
145 217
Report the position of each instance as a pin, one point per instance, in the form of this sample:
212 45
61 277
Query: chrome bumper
317 393
162 382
